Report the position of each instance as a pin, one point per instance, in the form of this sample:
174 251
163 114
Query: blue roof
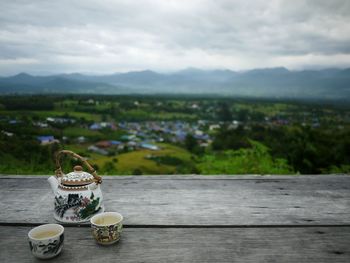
13 122
45 138
115 142
95 126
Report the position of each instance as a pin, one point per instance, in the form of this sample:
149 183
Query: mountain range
265 83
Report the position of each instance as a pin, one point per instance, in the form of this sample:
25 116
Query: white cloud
108 36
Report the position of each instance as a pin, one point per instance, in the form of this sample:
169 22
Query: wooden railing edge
189 177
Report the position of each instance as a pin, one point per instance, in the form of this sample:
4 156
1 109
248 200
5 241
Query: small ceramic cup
46 241
107 227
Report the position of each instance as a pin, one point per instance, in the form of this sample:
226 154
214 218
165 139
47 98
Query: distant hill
26 84
267 83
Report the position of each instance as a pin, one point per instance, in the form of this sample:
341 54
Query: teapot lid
77 178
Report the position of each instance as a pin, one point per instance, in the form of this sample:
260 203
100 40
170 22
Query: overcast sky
105 36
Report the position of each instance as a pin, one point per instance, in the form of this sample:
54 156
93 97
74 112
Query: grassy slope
128 162
137 160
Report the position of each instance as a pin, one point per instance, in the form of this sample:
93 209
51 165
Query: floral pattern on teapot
80 207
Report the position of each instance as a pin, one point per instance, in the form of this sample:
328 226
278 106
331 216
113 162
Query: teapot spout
53 183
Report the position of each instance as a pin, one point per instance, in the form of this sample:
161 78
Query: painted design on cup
52 248
46 241
107 234
107 227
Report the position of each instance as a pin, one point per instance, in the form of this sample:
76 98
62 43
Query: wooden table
193 219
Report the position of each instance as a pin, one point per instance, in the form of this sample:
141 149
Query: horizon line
171 72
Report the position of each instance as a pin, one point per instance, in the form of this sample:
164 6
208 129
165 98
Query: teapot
78 196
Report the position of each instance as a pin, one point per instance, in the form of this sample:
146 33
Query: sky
104 36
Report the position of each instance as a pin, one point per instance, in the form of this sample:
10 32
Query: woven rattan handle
59 172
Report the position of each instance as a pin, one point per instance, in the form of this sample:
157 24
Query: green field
53 113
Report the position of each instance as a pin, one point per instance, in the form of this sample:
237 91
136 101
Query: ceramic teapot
78 196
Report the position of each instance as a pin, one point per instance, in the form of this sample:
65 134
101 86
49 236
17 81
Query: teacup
107 227
46 241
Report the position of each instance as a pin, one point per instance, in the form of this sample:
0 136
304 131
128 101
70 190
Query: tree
190 142
109 168
254 160
224 112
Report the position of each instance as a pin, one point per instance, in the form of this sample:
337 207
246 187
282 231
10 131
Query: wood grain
195 200
312 244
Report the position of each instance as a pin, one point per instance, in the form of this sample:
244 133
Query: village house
234 125
81 139
103 144
194 106
8 134
110 144
45 140
14 121
149 146
40 124
102 125
213 127
61 120
93 148
95 126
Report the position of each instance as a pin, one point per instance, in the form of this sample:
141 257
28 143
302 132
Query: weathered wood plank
279 200
312 244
